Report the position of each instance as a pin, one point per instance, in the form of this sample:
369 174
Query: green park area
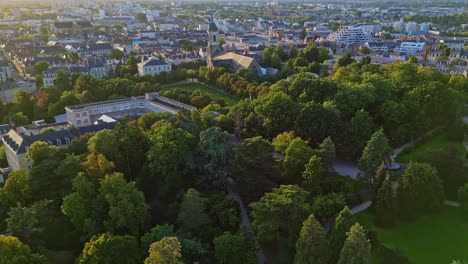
435 239
438 142
215 94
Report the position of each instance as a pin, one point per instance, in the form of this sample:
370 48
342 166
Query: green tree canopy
234 249
108 248
312 175
192 217
165 251
282 141
297 155
17 188
356 249
312 246
116 54
127 210
419 191
376 151
40 67
278 216
343 223
384 208
215 147
12 251
167 156
254 168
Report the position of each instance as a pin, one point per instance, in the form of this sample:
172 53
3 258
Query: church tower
213 34
213 43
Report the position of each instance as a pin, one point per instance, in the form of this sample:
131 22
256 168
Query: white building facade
153 66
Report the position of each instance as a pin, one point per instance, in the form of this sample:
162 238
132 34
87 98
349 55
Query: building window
77 115
59 142
67 141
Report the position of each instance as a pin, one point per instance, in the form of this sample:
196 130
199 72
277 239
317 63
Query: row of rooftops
19 142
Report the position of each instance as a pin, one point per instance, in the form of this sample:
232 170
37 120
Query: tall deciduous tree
62 80
17 188
282 141
312 246
168 156
165 251
384 208
419 191
297 155
376 151
96 166
14 252
358 131
85 212
344 221
40 67
312 175
327 152
254 168
23 223
192 217
277 112
278 216
25 101
108 248
356 249
326 206
215 147
127 210
234 249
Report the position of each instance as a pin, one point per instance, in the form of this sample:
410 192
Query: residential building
153 66
411 28
412 48
48 76
5 71
371 28
454 43
16 143
87 114
100 49
350 35
81 119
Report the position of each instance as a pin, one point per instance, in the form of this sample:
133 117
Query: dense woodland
155 189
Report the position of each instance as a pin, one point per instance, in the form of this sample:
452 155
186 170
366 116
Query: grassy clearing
436 239
230 101
421 150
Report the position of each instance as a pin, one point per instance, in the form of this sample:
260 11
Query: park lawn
439 141
230 100
435 239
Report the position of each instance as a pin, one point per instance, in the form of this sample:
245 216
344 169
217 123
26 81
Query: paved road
345 168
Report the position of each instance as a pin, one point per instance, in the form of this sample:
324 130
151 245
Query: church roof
212 27
242 60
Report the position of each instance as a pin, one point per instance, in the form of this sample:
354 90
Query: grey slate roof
19 143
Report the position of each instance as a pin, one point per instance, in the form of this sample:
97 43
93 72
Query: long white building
350 35
412 47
